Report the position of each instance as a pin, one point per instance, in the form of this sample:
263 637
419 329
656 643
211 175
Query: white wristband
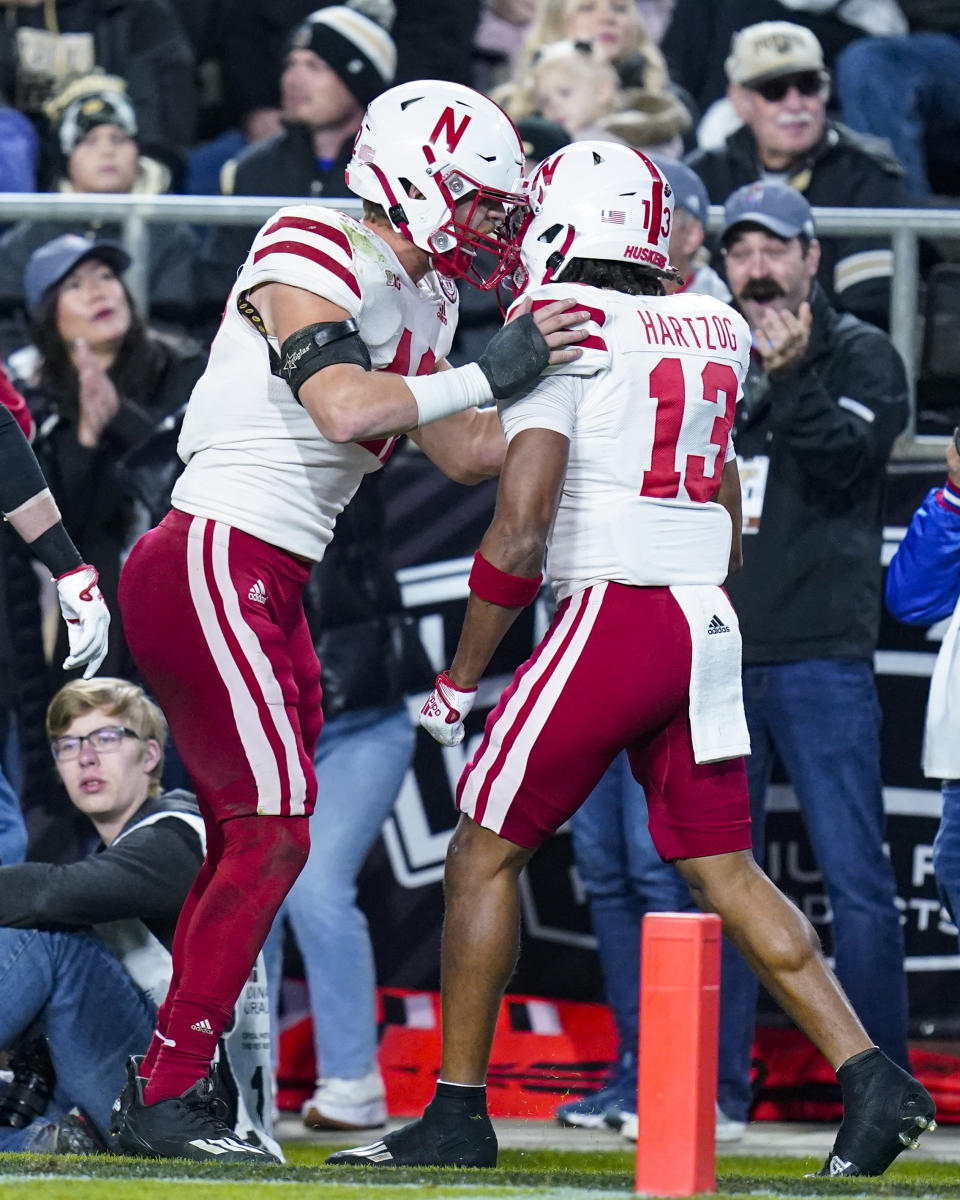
446 392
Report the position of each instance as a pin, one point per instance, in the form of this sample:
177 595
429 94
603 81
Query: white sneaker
727 1130
347 1103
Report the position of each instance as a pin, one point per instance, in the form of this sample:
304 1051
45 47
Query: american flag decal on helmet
613 216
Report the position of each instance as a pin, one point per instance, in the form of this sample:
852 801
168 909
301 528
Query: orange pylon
679 1024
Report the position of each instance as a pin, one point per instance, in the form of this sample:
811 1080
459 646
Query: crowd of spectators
849 105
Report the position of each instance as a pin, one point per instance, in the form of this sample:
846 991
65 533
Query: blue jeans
946 848
92 1013
361 760
822 718
623 877
902 88
13 831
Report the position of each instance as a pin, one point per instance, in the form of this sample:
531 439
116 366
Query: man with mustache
779 89
824 399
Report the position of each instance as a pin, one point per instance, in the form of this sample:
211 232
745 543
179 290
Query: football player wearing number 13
627 478
333 343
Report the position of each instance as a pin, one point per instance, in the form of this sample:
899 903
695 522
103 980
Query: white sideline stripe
257 748
264 675
469 1191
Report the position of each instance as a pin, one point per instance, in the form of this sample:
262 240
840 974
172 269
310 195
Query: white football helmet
593 200
445 141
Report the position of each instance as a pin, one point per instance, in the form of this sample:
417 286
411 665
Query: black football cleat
122 1103
449 1134
187 1126
77 1134
885 1111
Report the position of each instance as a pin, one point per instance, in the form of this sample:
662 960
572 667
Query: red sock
214 841
261 858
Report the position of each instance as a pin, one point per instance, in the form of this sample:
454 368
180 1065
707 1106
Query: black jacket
810 585
145 875
108 493
284 165
368 647
845 169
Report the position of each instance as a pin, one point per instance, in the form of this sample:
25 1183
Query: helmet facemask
423 148
456 244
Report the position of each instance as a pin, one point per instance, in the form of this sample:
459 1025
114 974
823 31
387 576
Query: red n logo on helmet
546 169
453 132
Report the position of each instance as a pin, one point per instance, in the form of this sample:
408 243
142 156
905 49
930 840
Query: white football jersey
255 459
649 434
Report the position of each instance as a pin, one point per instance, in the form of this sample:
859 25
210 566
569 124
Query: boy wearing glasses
779 89
86 946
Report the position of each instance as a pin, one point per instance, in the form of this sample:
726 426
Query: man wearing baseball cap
779 88
824 399
691 205
337 60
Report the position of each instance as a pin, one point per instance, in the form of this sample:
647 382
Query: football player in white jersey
627 480
332 344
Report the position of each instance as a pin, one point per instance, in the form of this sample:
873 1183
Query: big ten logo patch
392 279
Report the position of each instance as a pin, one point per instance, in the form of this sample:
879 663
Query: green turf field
553 1174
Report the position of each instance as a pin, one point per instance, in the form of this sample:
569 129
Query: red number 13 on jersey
668 389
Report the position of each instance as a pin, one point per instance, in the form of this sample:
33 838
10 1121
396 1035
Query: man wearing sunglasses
85 947
779 88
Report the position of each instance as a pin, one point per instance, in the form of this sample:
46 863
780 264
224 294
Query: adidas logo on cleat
258 593
203 1026
717 626
376 1152
224 1145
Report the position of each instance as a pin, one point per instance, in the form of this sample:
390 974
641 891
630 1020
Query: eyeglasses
102 740
807 83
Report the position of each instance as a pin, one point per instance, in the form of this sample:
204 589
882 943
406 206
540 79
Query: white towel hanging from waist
718 725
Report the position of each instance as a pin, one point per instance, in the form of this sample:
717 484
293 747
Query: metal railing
904 227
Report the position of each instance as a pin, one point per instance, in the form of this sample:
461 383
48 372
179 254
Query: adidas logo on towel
203 1026
258 593
717 626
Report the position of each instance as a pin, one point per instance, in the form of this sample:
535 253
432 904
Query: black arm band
56 550
20 474
20 480
314 347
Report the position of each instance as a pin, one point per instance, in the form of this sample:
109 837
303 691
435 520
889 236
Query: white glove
444 709
87 616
